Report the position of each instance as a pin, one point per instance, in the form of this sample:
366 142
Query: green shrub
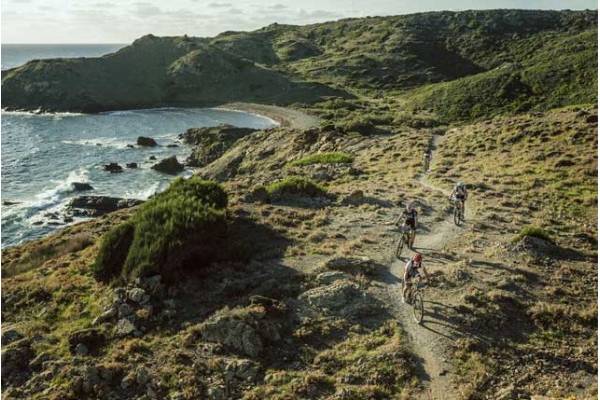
181 228
324 158
533 231
295 186
113 252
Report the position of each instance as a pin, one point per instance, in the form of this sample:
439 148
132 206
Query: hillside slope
477 63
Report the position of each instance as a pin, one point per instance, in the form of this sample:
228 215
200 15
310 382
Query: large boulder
169 166
342 298
146 141
92 206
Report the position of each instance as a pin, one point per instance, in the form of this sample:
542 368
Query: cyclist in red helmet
411 270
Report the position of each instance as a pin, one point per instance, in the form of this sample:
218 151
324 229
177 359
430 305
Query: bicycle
459 212
404 240
415 298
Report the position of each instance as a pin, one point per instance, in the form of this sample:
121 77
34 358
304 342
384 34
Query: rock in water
113 168
92 206
146 141
81 186
131 165
169 166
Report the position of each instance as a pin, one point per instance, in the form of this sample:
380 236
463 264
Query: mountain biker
459 193
409 218
411 270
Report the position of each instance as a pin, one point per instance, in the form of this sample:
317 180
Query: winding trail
428 344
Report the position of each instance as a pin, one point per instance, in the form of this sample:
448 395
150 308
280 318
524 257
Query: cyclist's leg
406 289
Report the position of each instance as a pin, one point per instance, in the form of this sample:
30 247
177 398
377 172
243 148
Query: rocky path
430 339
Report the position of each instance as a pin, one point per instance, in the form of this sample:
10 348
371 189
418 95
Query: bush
534 231
113 252
180 228
295 186
324 158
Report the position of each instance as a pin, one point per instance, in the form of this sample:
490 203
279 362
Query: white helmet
460 185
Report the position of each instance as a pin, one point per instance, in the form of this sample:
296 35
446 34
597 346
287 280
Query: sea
43 154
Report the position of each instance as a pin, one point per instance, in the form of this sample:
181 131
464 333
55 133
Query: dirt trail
428 343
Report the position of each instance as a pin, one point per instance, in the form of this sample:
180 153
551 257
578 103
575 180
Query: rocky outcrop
212 142
93 206
342 298
87 341
146 141
354 265
81 186
169 166
113 168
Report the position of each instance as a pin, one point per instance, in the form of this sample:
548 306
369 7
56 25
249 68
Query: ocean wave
114 142
144 193
39 113
53 195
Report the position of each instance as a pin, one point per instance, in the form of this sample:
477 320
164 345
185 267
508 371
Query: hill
461 65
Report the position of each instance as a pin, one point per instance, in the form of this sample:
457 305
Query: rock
353 265
81 349
592 119
172 145
152 158
146 141
10 203
124 327
15 363
125 310
113 168
341 298
131 165
10 335
169 166
242 369
81 186
138 295
92 206
91 378
131 146
537 247
92 339
232 332
142 377
329 277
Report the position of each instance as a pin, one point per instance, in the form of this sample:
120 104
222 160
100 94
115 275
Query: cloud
278 7
219 5
144 10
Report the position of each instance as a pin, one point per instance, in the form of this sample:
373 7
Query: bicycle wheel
399 247
417 304
456 215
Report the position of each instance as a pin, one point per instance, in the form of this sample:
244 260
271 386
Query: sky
122 21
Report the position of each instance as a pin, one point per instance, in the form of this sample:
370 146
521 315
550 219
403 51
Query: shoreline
285 117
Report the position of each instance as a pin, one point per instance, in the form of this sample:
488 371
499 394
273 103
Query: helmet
460 185
410 206
417 257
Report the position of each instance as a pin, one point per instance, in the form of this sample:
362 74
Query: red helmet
417 258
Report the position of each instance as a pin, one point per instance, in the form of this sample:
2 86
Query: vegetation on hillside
185 222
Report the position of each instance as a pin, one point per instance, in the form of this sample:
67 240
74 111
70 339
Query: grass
324 158
180 224
295 186
533 231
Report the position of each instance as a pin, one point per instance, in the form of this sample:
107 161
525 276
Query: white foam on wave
53 194
114 142
39 113
144 193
